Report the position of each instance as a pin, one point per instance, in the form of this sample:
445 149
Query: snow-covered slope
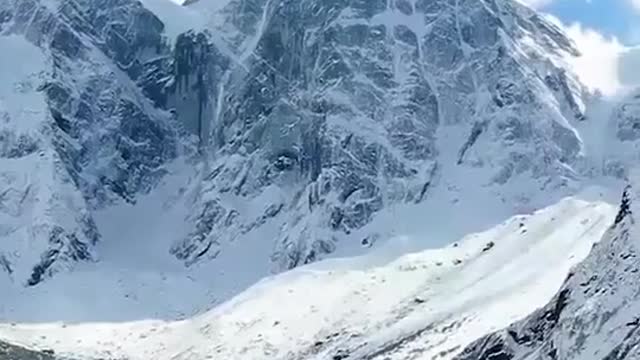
418 306
594 316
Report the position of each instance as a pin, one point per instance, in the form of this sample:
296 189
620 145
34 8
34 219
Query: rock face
96 137
12 352
353 107
310 118
593 316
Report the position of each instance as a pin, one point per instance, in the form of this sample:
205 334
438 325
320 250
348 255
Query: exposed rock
12 352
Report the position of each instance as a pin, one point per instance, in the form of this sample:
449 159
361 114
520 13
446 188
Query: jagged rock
12 352
340 105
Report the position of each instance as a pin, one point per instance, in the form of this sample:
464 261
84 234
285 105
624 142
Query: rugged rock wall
310 117
100 139
351 107
8 351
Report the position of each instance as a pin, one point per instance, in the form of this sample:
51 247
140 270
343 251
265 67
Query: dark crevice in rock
476 131
625 206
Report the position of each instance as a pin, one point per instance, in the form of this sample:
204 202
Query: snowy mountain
358 107
310 121
158 158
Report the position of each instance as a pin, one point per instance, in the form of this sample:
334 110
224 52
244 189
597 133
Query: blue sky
619 18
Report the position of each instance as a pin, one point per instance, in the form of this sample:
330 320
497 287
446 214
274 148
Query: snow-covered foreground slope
594 316
417 306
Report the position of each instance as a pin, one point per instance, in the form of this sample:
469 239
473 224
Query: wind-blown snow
480 284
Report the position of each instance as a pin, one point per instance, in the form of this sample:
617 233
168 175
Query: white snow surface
445 298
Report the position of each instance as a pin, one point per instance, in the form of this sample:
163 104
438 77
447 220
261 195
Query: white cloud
605 63
599 67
